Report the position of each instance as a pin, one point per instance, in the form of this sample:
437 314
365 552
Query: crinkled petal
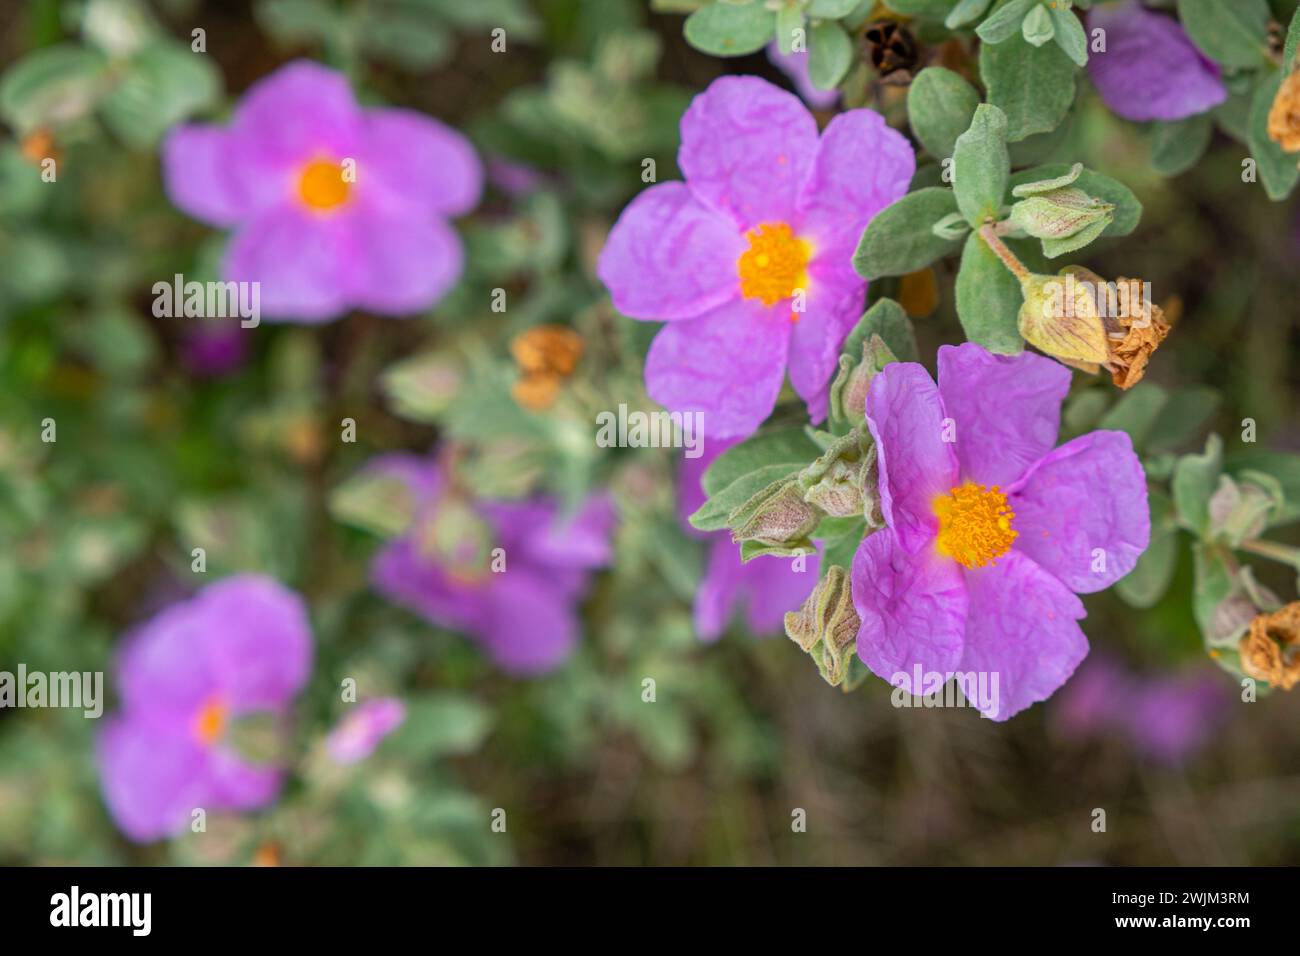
1022 627
746 149
256 634
906 417
163 668
670 257
767 587
417 164
862 166
1082 513
404 264
151 781
303 262
529 628
728 364
1150 69
913 608
817 337
239 785
197 175
1007 409
404 576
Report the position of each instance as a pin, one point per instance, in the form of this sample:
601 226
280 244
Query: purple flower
359 733
238 647
509 573
991 530
332 206
795 67
1150 69
750 260
1166 719
767 586
214 348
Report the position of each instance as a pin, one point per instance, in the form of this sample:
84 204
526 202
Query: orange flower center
774 265
210 720
974 524
321 185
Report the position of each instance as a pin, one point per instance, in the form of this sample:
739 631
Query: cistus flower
1166 719
332 206
511 574
1150 69
360 732
749 261
766 587
990 530
795 67
240 646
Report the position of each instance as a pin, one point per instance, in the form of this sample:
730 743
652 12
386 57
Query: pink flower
991 531
749 261
360 732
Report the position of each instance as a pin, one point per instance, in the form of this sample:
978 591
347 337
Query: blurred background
172 436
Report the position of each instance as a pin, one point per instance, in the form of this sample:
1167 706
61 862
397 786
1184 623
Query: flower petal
670 257
302 262
151 781
728 364
417 164
1082 513
862 166
1022 627
913 609
529 628
747 147
404 263
196 167
1150 70
906 418
818 335
767 586
406 578
301 111
1007 409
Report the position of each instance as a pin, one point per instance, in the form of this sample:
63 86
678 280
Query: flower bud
837 492
849 390
1060 317
421 388
457 537
1062 214
777 516
1241 510
843 481
827 625
380 503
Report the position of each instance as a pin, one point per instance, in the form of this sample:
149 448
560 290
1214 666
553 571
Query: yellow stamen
211 720
774 265
974 524
321 185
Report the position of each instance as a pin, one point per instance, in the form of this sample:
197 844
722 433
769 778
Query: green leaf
1176 147
1055 248
1005 22
163 84
1183 417
926 9
940 106
966 11
830 9
1292 45
1136 412
1283 466
1195 479
830 54
789 25
1038 28
890 321
409 39
789 447
1128 211
1233 34
1070 35
728 29
1214 583
1277 170
899 240
1147 582
1033 85
441 723
988 299
52 86
715 513
981 166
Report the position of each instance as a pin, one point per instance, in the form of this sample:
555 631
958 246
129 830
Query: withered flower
546 356
1284 115
1270 650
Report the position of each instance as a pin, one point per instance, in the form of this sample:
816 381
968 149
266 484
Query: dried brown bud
1270 651
1284 115
546 355
1134 336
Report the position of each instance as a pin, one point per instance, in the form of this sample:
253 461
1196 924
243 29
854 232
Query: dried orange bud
536 391
918 293
1270 650
1135 335
1284 115
547 348
39 145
